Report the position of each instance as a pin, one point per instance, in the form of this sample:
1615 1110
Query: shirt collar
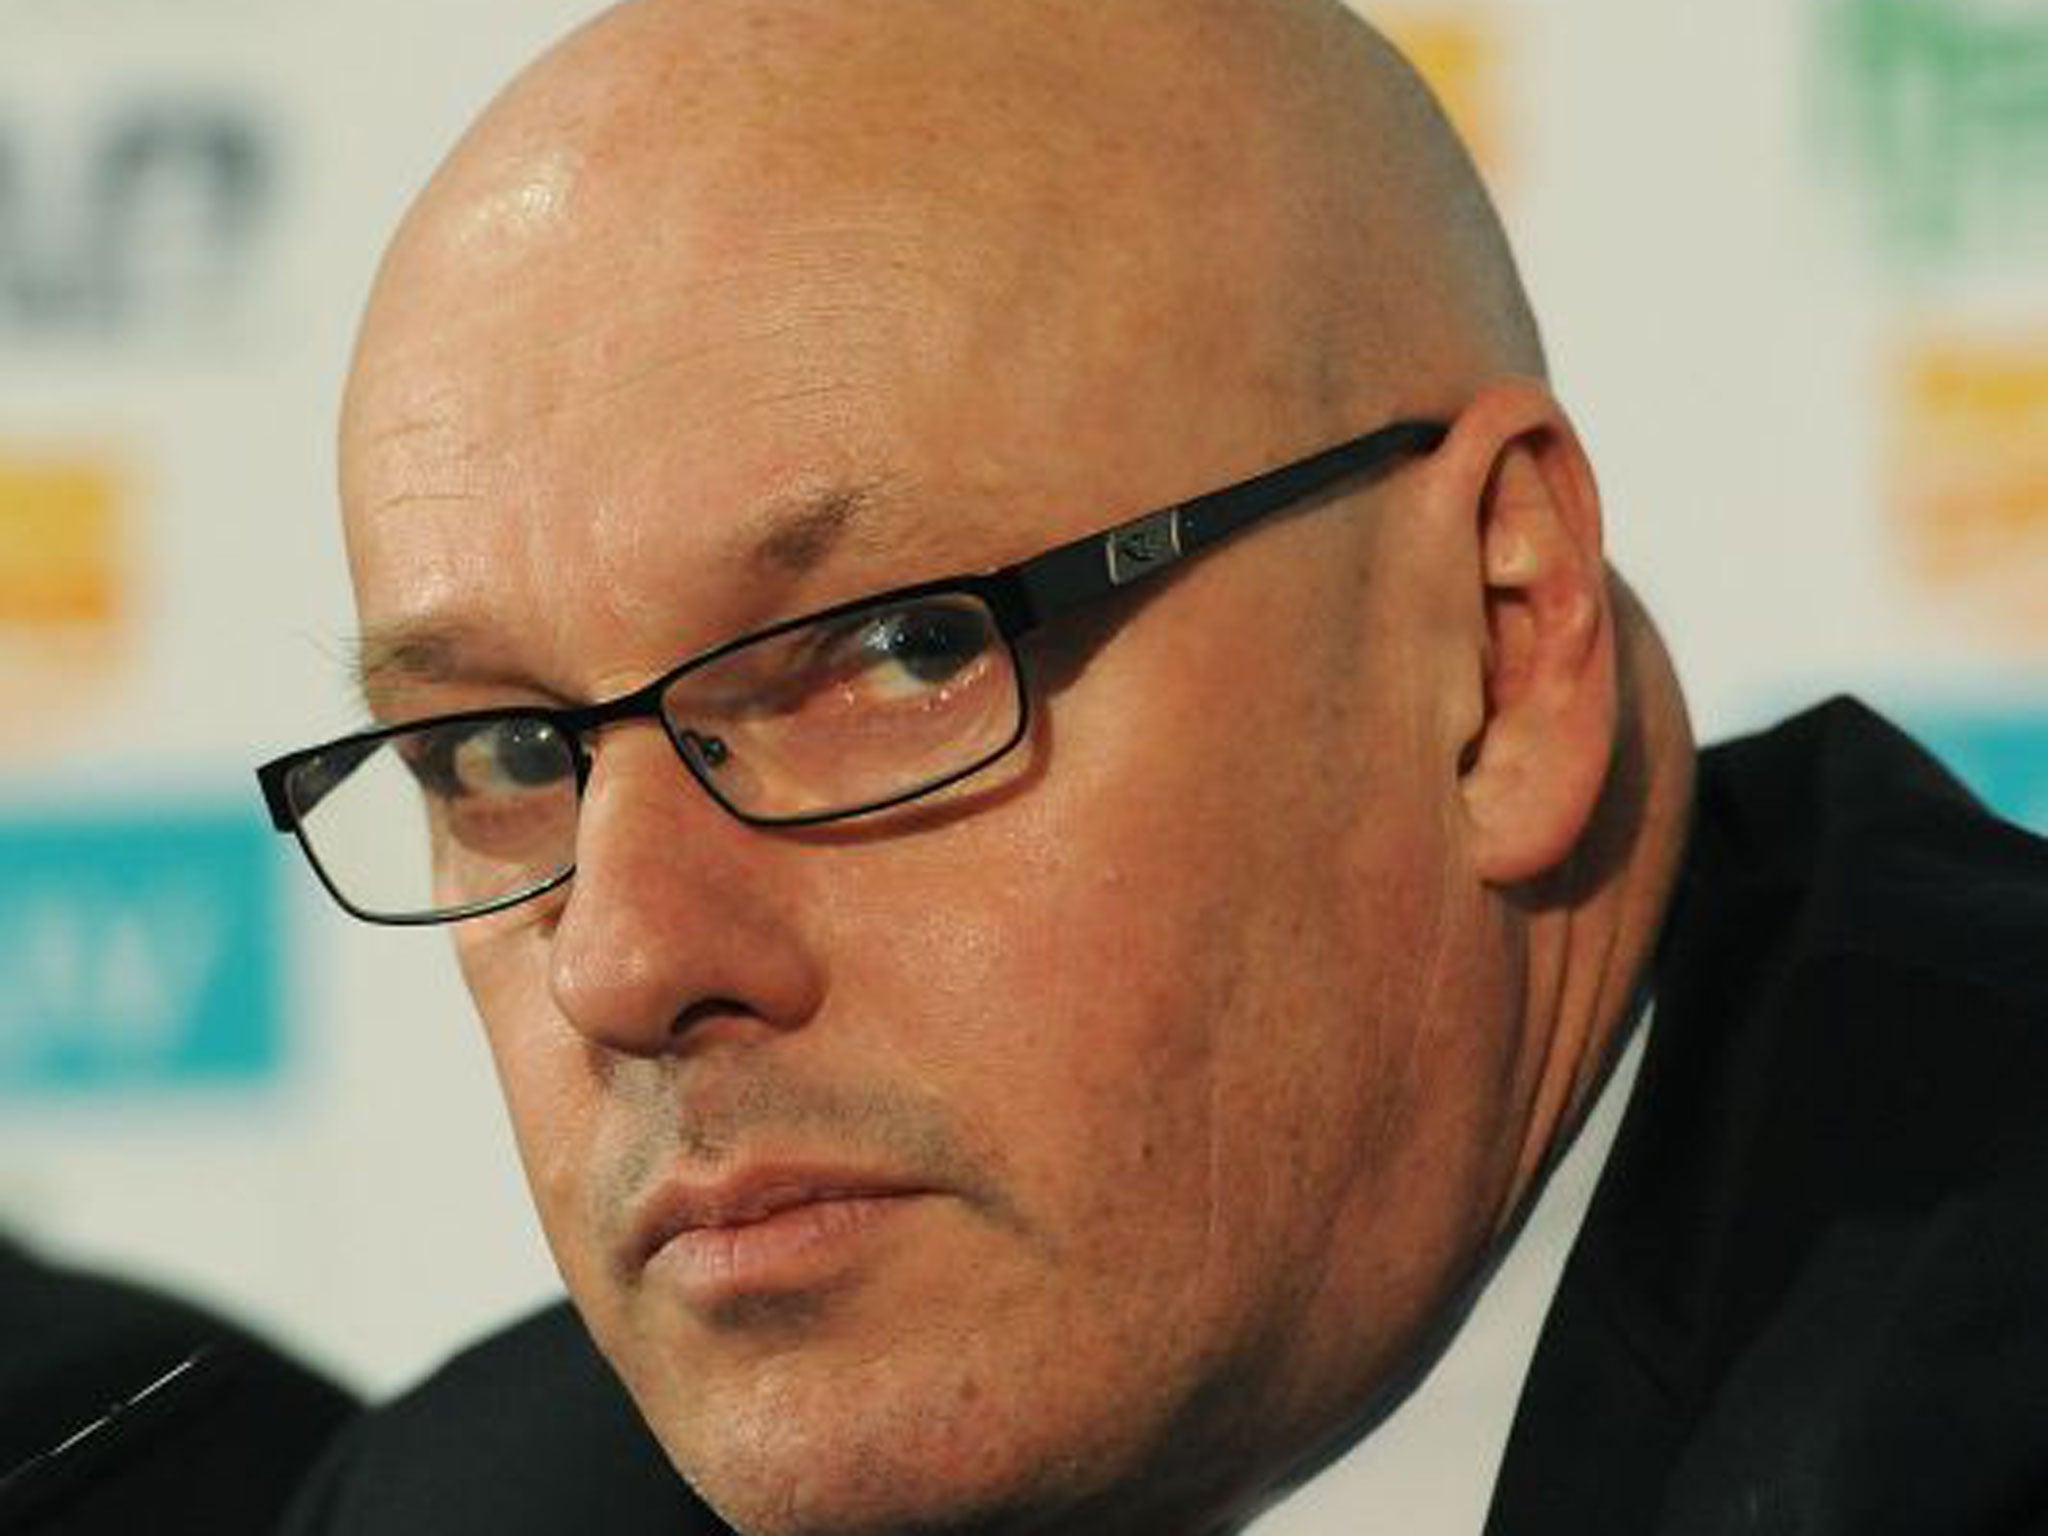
1427 1468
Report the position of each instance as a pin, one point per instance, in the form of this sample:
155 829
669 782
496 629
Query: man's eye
931 644
499 757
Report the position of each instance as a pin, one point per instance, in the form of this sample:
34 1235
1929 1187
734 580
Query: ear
1532 772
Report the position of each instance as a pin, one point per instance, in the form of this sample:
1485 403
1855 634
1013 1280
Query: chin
881 1448
864 1472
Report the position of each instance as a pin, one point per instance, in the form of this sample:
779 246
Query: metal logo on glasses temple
1144 547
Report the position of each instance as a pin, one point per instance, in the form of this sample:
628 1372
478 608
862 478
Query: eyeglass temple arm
1103 562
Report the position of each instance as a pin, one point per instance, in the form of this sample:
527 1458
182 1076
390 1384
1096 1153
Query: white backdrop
1789 255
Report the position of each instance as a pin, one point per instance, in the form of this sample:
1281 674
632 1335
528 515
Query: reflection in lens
852 711
450 816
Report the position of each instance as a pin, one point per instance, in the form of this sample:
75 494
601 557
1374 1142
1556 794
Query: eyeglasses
842 713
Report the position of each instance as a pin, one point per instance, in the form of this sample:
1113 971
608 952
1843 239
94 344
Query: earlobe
1531 775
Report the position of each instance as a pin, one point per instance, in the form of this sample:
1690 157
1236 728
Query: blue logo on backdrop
139 952
2002 757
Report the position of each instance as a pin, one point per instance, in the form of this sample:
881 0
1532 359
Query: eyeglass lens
827 719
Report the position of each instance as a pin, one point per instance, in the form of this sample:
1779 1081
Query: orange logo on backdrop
62 587
1971 469
1457 50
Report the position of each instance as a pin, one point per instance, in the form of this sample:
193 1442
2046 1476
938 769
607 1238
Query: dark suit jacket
215 1452
1811 1294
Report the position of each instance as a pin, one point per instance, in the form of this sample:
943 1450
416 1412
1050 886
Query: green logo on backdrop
1942 106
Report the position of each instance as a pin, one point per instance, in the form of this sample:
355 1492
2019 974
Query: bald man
992 642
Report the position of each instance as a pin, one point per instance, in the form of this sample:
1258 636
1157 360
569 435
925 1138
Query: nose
677 912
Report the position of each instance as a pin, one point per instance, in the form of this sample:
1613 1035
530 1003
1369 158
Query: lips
763 1226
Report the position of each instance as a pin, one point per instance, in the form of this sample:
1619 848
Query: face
1064 1148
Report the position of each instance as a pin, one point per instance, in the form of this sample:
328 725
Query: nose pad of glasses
711 751
701 751
710 761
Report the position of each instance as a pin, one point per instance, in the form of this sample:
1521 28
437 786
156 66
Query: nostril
704 1011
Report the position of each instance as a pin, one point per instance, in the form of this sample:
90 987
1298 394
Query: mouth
766 1230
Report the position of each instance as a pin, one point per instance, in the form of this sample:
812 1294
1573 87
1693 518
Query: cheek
1116 1027
1050 1011
543 1068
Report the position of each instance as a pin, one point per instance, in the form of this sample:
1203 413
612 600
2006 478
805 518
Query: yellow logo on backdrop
1457 50
1972 477
63 605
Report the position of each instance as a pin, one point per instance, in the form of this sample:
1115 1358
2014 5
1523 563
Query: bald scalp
1274 194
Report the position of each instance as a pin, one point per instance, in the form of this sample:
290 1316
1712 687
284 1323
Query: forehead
620 445
594 379
613 469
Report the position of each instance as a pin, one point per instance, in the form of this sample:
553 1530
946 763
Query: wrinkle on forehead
573 332
756 245
777 546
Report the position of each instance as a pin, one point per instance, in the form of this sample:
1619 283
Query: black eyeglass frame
1020 596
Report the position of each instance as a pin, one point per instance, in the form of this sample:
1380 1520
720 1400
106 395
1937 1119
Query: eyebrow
792 538
386 656
798 535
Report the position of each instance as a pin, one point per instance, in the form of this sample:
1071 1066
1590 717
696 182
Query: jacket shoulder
1852 840
525 1431
217 1428
1804 1296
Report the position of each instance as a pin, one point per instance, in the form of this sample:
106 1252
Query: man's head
1081 1147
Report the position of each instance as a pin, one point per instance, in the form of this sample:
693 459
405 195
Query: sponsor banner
1940 109
142 951
141 215
1969 478
1940 112
65 603
2002 756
